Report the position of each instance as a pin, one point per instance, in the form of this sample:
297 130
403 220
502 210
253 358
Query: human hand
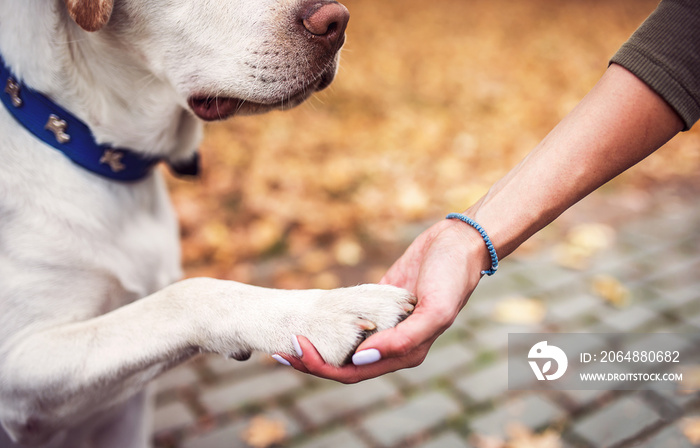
441 268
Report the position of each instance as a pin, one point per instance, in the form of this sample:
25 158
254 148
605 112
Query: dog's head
226 57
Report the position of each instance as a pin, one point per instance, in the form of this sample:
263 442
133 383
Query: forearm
620 122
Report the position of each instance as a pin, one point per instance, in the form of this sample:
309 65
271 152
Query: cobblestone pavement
461 390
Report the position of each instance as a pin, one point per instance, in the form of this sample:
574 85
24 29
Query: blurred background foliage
434 101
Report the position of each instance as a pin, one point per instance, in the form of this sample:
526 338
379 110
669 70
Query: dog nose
327 20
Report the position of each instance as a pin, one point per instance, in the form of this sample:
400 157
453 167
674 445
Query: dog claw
408 308
366 324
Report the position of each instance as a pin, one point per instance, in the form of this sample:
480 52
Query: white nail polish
297 347
281 360
366 357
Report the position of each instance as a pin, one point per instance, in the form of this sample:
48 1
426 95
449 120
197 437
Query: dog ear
91 15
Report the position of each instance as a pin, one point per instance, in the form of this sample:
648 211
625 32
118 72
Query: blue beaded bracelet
487 240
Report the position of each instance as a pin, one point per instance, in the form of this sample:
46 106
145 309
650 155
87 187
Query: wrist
475 250
493 256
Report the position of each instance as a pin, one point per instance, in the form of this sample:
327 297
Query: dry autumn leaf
481 441
264 233
263 432
611 290
413 200
691 378
581 243
520 436
691 429
348 252
519 310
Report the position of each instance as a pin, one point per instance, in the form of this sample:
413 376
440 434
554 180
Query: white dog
126 78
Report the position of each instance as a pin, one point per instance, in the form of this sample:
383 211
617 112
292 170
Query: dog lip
215 108
211 108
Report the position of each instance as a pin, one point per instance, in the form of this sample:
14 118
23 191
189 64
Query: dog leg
56 378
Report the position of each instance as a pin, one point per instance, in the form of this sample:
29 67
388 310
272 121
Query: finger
420 328
288 360
311 362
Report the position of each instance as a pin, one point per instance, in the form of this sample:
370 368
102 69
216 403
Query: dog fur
91 309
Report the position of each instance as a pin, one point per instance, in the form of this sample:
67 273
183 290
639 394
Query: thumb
417 330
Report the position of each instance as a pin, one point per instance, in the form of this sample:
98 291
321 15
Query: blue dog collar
61 130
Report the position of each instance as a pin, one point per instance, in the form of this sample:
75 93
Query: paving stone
674 272
670 437
625 320
419 414
644 231
677 397
495 337
340 400
172 416
342 438
487 383
231 436
581 398
489 291
448 440
180 376
439 362
692 319
533 411
616 421
565 308
667 341
228 436
672 297
546 276
262 387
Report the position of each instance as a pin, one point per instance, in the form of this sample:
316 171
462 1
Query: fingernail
281 360
297 347
366 357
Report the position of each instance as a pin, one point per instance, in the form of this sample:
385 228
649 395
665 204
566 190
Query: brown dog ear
91 15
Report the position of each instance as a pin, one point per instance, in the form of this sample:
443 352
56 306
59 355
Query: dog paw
340 319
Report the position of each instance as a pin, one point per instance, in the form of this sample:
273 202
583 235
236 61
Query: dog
92 305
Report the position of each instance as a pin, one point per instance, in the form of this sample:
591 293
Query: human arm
630 113
620 122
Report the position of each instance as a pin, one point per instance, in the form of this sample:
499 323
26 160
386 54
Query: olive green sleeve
664 52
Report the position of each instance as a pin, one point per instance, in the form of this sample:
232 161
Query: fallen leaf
581 243
413 200
519 310
691 378
520 436
611 290
326 280
571 257
591 237
264 233
263 432
691 429
348 252
481 441
315 260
